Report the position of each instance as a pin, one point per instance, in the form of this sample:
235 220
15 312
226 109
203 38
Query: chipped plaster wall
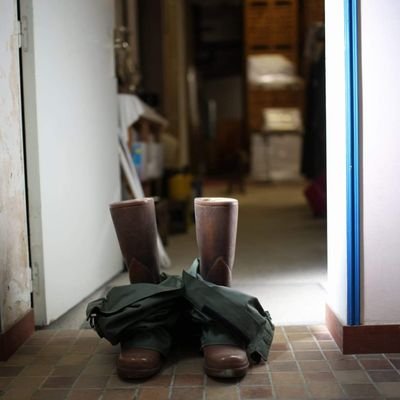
14 268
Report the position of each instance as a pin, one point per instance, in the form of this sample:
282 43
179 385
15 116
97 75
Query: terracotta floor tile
82 349
61 341
37 341
158 380
5 381
256 379
187 393
357 376
346 365
300 337
153 394
322 336
85 394
296 328
384 376
73 359
286 378
375 364
26 350
89 340
53 350
308 355
44 332
260 368
325 390
19 360
279 338
395 362
37 370
10 371
222 393
319 376
337 355
116 382
279 346
46 359
306 345
99 369
27 382
389 389
193 366
67 370
318 328
88 333
91 382
291 392
280 356
328 345
118 394
283 366
68 333
314 366
50 394
18 394
256 392
98 359
360 390
59 382
107 348
189 380
370 356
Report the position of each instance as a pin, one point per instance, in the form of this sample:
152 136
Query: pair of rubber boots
216 226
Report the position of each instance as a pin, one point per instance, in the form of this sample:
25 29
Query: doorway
281 249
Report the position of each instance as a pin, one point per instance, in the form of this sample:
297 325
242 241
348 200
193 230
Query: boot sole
126 373
227 373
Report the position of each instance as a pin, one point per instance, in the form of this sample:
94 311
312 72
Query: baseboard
363 339
15 336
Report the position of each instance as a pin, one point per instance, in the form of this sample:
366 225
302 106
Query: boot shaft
136 228
216 228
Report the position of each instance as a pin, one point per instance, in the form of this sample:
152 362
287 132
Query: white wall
380 32
15 283
336 158
73 169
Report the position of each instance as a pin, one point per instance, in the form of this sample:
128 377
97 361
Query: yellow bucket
180 187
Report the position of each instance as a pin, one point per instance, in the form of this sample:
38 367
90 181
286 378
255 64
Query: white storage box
276 156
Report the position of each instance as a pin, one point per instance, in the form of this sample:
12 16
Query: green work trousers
144 314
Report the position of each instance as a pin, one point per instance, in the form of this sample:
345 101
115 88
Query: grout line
362 369
305 384
172 382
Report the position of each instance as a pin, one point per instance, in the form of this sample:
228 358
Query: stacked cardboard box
271 26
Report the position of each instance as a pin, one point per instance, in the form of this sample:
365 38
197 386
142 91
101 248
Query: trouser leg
216 229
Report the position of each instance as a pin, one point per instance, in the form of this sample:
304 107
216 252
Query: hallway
281 251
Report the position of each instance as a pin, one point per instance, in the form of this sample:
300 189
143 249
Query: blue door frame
351 24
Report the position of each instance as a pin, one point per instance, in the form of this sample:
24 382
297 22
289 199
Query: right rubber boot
136 228
216 228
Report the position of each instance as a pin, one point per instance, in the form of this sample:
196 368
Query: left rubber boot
216 229
136 229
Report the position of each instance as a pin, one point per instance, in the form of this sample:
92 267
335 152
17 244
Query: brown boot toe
225 361
136 363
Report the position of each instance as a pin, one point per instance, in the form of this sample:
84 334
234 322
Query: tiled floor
304 363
